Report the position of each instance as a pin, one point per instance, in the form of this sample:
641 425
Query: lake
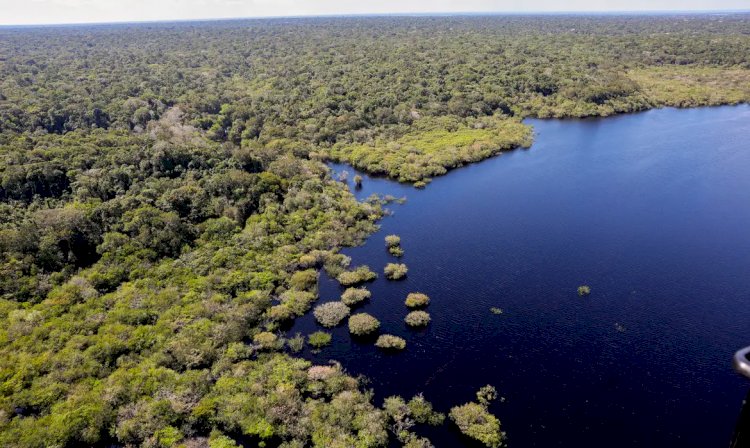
652 210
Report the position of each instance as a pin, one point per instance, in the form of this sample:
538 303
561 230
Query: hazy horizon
79 12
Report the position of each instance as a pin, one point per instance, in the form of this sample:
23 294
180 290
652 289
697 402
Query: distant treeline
164 212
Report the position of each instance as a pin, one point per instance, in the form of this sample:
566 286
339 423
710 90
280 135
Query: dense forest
165 210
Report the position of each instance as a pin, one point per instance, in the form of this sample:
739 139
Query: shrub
266 340
280 313
358 181
417 319
298 302
360 275
319 339
296 344
331 314
496 310
390 342
396 251
304 280
417 300
584 290
394 271
362 323
354 296
392 241
476 422
486 395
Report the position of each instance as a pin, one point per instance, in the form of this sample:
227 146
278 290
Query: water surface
652 210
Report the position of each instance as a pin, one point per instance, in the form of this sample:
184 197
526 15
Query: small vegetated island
164 208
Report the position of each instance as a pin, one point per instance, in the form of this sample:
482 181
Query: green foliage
390 342
362 324
395 271
360 275
434 146
417 319
296 343
403 416
355 296
584 290
416 300
163 200
319 339
392 241
476 422
486 395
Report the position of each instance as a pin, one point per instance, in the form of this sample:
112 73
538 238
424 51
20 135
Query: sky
24 12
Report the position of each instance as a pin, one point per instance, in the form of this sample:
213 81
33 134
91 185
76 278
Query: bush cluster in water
475 420
417 319
359 275
331 314
362 324
393 243
584 290
355 296
417 300
319 339
395 271
403 415
389 341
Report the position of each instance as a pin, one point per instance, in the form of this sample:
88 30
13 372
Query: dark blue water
652 210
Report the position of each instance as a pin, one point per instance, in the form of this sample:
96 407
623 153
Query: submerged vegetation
164 208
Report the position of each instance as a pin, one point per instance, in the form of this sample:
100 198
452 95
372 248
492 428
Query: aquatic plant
331 314
358 181
416 300
319 339
359 275
584 290
496 310
355 296
362 324
396 251
417 319
395 271
389 341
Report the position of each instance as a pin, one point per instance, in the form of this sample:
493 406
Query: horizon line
394 14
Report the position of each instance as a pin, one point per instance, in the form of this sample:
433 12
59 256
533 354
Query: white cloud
68 11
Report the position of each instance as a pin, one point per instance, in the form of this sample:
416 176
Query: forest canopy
165 209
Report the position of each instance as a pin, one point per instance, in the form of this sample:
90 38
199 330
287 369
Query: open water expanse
652 210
